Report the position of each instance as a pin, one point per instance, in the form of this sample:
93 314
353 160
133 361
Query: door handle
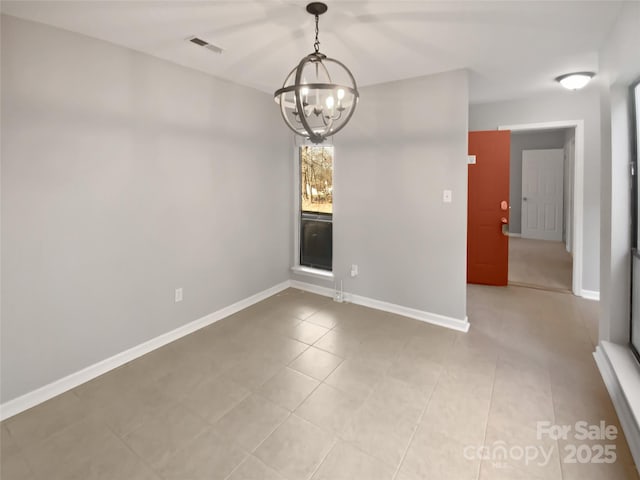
505 226
524 199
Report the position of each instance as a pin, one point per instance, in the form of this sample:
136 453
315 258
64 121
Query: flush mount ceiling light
320 94
575 81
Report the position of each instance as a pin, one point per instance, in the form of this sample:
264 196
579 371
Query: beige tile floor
300 387
540 263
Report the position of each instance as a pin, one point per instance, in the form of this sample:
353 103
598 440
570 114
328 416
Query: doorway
546 212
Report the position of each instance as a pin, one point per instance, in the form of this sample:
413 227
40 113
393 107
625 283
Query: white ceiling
511 48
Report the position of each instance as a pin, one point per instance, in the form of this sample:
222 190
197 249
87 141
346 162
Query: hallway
539 263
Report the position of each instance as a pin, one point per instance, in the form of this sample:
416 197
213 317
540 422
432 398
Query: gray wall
406 144
123 178
619 67
563 105
520 142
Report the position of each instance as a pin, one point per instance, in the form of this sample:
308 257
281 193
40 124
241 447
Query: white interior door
542 194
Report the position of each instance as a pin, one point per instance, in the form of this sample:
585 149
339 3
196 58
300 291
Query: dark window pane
316 242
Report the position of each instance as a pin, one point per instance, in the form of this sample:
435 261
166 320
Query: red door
487 246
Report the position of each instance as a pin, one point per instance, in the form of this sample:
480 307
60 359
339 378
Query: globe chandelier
319 95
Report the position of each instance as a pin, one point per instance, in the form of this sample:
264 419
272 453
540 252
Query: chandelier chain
316 44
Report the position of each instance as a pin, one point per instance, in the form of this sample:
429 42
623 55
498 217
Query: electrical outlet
354 270
178 294
446 196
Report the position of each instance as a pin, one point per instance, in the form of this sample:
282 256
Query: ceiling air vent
205 44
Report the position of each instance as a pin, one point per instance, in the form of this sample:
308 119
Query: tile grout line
338 435
417 426
361 406
237 467
20 451
419 421
121 438
251 453
555 419
486 424
271 432
324 458
140 459
309 345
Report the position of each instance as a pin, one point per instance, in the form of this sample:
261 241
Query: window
635 254
316 207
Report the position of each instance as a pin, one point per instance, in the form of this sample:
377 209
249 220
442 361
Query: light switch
446 196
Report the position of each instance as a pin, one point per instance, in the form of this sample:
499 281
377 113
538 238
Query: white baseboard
433 318
42 394
590 294
626 371
311 288
57 387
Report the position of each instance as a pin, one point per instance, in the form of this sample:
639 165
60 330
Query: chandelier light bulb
329 102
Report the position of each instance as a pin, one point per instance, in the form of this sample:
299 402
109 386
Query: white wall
519 143
406 143
124 177
619 67
560 106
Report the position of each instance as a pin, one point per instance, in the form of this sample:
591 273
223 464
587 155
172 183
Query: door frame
578 191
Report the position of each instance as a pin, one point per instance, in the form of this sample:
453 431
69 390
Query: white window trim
313 272
297 268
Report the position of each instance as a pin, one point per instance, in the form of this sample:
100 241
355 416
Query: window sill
627 371
313 272
621 375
